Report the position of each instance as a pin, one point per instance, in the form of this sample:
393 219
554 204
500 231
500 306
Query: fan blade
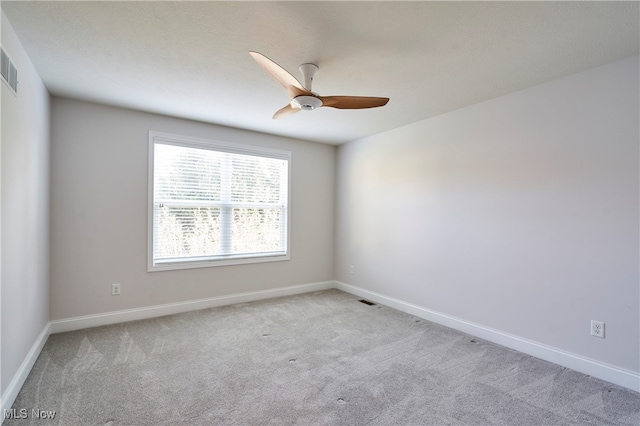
352 102
289 82
285 111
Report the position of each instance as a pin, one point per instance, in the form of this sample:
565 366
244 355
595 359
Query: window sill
192 264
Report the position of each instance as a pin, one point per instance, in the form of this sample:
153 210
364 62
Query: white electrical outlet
115 289
597 328
352 269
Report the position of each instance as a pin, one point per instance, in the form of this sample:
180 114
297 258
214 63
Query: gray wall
519 213
24 240
99 214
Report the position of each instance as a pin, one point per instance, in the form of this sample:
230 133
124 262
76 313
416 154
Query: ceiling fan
302 98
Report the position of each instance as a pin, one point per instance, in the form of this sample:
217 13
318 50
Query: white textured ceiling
190 59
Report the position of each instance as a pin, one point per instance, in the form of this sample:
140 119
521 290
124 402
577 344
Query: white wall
519 214
24 177
99 214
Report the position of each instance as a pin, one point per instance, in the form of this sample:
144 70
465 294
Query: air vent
9 72
366 302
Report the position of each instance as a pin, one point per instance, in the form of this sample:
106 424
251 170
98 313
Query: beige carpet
315 359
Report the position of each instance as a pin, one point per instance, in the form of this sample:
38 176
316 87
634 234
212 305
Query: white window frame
199 143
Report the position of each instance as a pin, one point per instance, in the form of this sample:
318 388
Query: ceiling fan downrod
308 71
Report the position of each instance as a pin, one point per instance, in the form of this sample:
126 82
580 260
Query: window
214 203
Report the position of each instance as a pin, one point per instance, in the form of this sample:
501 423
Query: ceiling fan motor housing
307 103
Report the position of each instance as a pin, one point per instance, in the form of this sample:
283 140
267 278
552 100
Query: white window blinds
214 202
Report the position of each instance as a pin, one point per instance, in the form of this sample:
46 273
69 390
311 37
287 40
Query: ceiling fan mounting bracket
308 71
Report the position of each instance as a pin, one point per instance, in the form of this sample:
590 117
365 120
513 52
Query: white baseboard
87 321
10 394
625 378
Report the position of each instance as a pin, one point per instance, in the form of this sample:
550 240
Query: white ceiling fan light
307 103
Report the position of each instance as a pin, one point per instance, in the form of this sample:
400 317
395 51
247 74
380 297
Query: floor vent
366 302
8 72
